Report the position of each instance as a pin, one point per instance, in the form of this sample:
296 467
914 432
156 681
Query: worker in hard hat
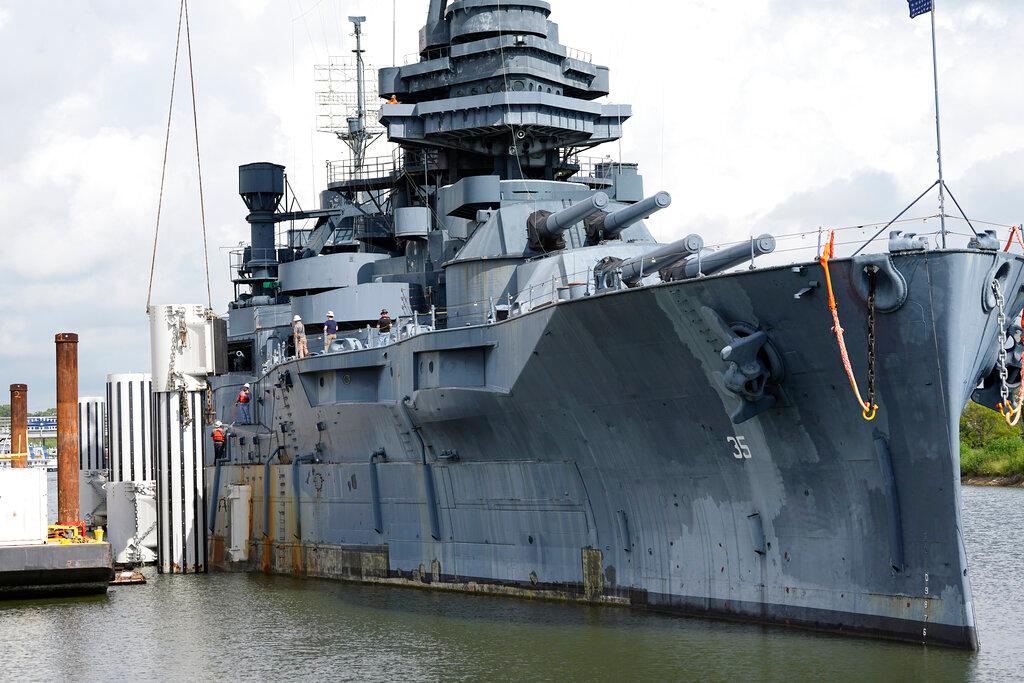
299 333
219 440
393 100
244 399
330 331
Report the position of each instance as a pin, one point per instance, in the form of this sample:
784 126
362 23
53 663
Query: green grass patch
988 446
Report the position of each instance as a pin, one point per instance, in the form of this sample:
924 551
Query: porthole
430 367
346 378
321 381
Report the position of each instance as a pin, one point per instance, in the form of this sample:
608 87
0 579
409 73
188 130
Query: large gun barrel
557 222
717 261
545 228
614 223
634 269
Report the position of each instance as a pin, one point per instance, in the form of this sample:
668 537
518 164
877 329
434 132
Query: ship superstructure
565 407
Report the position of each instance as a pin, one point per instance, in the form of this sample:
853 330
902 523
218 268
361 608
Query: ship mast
357 137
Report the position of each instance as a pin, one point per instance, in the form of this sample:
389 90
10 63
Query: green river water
232 627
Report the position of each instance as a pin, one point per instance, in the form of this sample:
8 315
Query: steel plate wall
92 417
181 514
129 427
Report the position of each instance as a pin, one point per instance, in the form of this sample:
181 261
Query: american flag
918 7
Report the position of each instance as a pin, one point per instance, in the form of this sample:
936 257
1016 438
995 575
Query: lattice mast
342 100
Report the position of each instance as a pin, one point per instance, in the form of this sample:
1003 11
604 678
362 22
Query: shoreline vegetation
991 451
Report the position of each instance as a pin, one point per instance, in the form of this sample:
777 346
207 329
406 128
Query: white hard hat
218 423
246 386
296 318
330 314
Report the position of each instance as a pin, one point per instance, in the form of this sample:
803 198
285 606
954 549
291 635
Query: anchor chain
872 273
869 409
1010 413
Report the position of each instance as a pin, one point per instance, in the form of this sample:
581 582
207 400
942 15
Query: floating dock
51 570
36 559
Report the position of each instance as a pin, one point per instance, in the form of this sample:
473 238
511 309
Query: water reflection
257 627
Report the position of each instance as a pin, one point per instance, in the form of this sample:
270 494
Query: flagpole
938 132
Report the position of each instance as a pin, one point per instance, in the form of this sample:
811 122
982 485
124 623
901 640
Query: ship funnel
261 186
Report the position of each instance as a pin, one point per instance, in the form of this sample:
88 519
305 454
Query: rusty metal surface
19 425
67 427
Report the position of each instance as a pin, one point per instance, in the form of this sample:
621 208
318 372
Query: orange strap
1015 231
867 410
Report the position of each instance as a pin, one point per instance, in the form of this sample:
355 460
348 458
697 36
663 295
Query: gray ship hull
585 451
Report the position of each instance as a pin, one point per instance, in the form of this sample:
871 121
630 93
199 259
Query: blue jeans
244 417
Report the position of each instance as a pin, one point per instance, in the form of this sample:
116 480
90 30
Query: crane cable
182 15
868 408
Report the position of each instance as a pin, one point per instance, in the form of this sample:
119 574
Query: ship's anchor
754 368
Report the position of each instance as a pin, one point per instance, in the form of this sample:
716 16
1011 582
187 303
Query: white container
92 419
129 436
23 506
131 521
182 347
180 480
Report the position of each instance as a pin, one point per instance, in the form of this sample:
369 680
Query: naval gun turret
610 271
602 226
545 228
717 261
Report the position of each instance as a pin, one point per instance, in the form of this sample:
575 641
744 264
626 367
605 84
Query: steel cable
199 165
163 168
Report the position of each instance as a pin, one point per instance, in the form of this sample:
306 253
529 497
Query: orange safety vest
218 435
243 396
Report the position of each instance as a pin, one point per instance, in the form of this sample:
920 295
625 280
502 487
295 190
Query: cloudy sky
780 115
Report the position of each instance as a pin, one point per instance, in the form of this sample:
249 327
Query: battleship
560 407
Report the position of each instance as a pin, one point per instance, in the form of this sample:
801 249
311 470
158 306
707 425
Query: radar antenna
341 111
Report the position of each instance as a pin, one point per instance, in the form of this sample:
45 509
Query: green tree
979 426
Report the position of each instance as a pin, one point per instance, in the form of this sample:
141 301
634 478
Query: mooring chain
1004 388
1010 412
872 273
